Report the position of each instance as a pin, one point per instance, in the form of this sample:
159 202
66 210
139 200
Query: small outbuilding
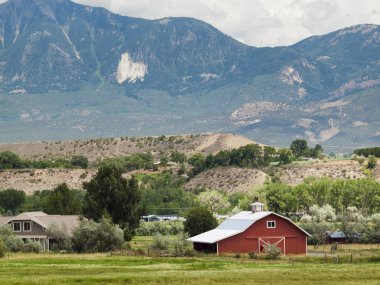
335 237
250 231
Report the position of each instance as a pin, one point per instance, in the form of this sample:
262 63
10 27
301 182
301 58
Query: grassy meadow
51 269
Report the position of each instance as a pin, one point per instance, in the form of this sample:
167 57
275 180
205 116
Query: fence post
351 258
325 258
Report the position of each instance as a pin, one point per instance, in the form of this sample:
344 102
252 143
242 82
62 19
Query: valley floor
106 269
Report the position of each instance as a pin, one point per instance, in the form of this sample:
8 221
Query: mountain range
72 71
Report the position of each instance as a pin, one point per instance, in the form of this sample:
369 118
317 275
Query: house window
271 224
27 227
17 226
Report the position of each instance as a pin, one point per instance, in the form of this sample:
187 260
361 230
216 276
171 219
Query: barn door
278 241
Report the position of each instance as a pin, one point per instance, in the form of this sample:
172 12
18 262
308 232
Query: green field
52 269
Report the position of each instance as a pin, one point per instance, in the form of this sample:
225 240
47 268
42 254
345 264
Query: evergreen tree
63 201
199 220
109 193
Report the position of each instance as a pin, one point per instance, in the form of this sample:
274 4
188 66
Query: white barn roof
235 225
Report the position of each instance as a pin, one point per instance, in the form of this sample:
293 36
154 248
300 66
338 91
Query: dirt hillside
345 169
31 180
228 179
95 149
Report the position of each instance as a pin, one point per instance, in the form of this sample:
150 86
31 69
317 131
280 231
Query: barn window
271 224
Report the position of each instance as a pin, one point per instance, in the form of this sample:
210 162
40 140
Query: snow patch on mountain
130 71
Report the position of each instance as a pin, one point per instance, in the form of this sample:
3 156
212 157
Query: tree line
10 160
375 151
364 194
254 156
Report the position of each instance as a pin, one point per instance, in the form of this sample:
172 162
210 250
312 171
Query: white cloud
256 22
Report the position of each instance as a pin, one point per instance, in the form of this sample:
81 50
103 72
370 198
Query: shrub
160 242
97 237
79 161
252 254
272 251
31 246
371 162
181 244
3 249
14 243
163 228
61 237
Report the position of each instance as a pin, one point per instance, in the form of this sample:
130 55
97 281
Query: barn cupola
257 207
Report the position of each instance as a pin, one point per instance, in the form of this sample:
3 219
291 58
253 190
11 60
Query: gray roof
235 225
336 234
70 222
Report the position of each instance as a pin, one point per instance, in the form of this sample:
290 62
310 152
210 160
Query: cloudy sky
256 22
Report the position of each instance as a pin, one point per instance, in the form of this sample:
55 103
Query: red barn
250 231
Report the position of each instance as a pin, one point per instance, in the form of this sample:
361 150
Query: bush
3 249
97 237
371 162
79 161
181 244
160 242
31 246
252 254
14 243
60 236
272 251
163 228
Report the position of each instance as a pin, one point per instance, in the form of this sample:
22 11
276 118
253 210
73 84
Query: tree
79 161
10 160
318 222
317 151
108 192
269 152
371 162
63 201
12 200
199 220
285 156
214 201
298 147
162 194
178 157
198 163
351 223
279 198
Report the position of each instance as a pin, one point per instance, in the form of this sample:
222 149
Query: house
250 231
34 225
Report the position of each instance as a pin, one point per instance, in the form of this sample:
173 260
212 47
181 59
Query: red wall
295 239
